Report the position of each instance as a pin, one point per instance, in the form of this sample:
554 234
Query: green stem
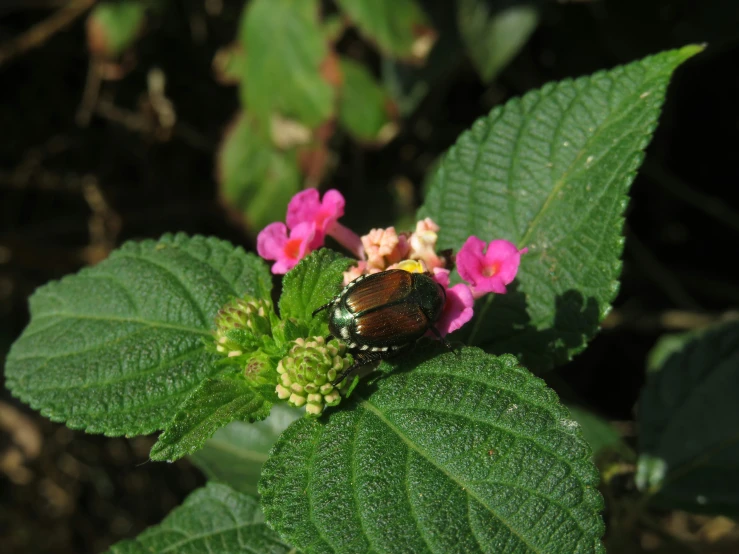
480 316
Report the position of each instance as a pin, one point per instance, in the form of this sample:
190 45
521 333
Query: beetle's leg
443 340
344 374
317 310
329 337
360 359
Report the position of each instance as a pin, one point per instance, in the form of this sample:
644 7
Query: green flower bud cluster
259 369
306 373
240 323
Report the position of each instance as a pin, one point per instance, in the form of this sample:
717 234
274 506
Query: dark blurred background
78 178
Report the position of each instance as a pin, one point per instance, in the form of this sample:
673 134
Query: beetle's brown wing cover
391 325
379 289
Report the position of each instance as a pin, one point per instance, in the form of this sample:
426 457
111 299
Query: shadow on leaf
502 325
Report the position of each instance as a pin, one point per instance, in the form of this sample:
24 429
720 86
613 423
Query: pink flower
458 309
356 271
273 243
423 243
306 207
441 276
307 216
383 247
488 269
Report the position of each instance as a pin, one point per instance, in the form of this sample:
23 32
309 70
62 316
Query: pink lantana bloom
384 247
273 243
423 243
488 268
458 308
307 207
356 271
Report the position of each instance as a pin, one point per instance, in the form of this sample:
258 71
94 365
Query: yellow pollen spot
412 266
490 270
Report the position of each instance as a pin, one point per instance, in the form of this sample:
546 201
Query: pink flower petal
303 231
271 240
441 276
282 266
346 238
333 203
493 284
273 243
298 244
458 309
303 207
491 268
507 257
469 259
307 207
423 243
354 272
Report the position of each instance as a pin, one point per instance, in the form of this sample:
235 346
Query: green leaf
255 177
310 284
228 64
601 435
494 32
333 27
668 345
460 453
215 403
235 454
113 27
285 48
409 84
394 25
688 410
117 347
364 106
551 172
212 519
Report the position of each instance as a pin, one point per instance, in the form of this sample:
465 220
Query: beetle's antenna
321 308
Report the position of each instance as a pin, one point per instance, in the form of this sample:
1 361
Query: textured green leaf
235 454
688 414
364 106
212 519
494 31
393 25
310 284
117 347
255 177
461 453
551 172
285 48
601 435
215 403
